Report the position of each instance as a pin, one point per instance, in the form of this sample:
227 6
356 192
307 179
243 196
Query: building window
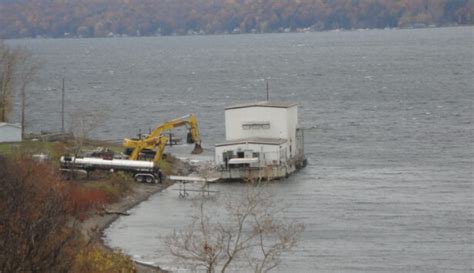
256 125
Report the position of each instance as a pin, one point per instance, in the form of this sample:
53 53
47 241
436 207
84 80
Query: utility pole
23 105
62 109
268 94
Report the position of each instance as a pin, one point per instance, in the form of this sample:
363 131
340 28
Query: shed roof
243 160
189 179
274 104
4 124
255 140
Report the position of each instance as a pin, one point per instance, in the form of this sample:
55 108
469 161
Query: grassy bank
27 146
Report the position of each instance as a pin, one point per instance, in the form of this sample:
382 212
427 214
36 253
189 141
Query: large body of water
389 133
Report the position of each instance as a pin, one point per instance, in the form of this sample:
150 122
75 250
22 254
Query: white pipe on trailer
112 163
142 171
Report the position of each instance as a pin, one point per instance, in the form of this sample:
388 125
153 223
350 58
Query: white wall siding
10 133
292 124
235 118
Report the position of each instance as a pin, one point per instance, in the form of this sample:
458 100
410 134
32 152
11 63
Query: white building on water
263 141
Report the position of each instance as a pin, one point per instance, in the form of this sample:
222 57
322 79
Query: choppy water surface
388 117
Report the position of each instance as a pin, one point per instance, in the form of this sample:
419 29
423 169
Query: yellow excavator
158 145
156 142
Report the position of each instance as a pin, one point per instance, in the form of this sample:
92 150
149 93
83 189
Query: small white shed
10 132
264 119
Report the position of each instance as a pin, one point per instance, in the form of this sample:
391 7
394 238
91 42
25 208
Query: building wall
292 124
268 154
300 142
282 121
9 133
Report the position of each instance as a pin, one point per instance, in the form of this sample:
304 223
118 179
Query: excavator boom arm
155 140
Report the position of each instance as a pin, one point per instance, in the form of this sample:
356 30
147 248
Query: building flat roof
274 104
188 179
255 140
10 124
243 160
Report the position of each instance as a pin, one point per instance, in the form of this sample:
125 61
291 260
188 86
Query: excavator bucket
197 149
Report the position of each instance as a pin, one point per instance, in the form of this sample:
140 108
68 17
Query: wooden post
23 105
268 94
62 109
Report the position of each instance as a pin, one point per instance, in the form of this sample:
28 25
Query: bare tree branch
252 234
17 70
28 67
8 65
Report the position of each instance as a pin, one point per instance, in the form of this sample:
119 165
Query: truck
141 170
150 147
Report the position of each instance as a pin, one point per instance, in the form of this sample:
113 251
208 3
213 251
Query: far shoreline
296 31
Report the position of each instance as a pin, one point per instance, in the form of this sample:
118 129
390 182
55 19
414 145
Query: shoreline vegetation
52 222
90 205
94 227
132 18
53 219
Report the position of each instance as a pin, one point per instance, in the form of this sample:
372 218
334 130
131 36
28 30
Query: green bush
116 186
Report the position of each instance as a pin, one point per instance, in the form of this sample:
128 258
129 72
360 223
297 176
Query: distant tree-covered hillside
99 18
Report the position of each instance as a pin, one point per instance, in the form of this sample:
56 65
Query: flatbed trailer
142 171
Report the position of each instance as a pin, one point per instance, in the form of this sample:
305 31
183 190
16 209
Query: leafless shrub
17 70
28 66
8 66
82 123
253 234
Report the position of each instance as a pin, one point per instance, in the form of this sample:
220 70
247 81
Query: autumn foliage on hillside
39 216
36 234
99 18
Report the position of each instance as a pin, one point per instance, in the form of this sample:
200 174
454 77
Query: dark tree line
99 18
